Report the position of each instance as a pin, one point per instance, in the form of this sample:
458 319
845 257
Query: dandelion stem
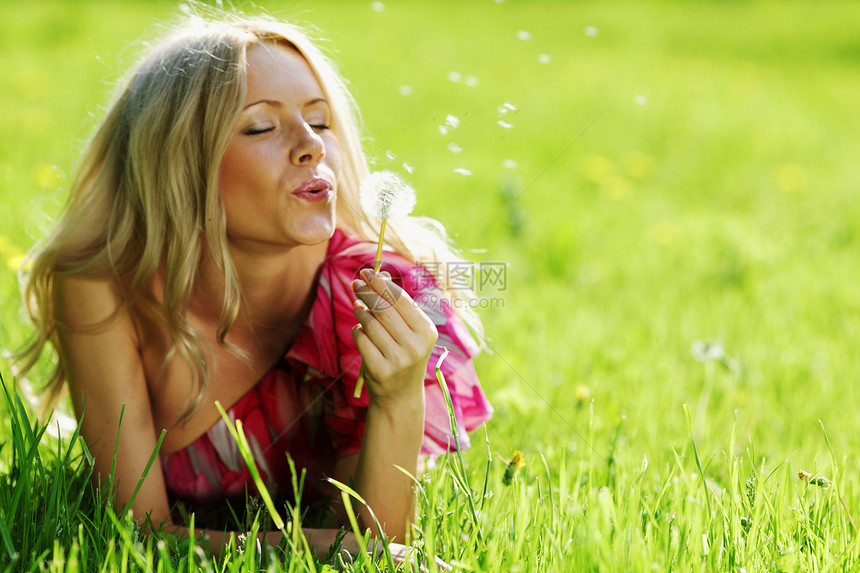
378 262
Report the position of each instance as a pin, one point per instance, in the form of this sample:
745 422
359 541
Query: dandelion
513 467
583 394
812 480
383 195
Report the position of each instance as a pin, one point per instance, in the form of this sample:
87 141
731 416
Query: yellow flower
664 234
513 467
597 168
583 393
47 176
789 177
638 165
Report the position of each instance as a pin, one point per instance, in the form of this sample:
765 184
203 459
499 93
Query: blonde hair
146 192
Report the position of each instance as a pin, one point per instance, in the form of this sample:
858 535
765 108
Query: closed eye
257 130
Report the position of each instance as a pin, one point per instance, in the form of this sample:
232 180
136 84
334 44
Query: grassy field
674 197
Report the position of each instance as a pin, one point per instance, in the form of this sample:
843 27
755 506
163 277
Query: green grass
724 208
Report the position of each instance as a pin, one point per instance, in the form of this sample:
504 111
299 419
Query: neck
276 286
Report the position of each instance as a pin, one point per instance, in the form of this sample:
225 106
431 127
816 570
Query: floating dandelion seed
505 108
377 7
451 122
590 31
454 76
390 155
544 58
472 81
640 99
515 465
524 36
509 164
406 90
383 195
454 148
504 124
408 168
462 171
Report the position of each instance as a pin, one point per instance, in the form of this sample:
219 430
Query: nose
308 149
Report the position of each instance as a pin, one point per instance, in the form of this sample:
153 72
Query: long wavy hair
146 193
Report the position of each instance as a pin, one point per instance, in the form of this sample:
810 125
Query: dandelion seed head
590 31
385 195
462 171
377 6
524 35
544 58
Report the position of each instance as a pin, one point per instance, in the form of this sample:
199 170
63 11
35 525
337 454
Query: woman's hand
395 339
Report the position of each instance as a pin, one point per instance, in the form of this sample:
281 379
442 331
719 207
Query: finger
387 316
395 298
373 327
368 350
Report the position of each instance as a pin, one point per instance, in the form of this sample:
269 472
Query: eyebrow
276 103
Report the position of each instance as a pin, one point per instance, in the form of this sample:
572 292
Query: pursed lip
313 185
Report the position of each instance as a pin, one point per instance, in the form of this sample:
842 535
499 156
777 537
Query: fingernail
366 274
357 284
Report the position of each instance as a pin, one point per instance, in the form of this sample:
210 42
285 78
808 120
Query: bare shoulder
83 304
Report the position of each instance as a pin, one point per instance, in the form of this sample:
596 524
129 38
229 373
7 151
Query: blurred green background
673 172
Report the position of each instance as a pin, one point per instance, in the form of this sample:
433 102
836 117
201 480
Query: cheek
333 154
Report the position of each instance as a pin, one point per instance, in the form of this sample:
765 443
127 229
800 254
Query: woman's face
278 177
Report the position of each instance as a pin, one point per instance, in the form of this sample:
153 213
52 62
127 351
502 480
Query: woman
207 253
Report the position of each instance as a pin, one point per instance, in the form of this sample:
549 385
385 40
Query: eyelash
260 130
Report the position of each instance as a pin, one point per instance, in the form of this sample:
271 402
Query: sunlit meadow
670 190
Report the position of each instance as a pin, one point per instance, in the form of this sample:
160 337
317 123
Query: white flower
385 195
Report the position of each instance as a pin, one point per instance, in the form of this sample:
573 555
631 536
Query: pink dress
304 406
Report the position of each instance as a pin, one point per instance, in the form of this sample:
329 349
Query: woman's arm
395 339
98 346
